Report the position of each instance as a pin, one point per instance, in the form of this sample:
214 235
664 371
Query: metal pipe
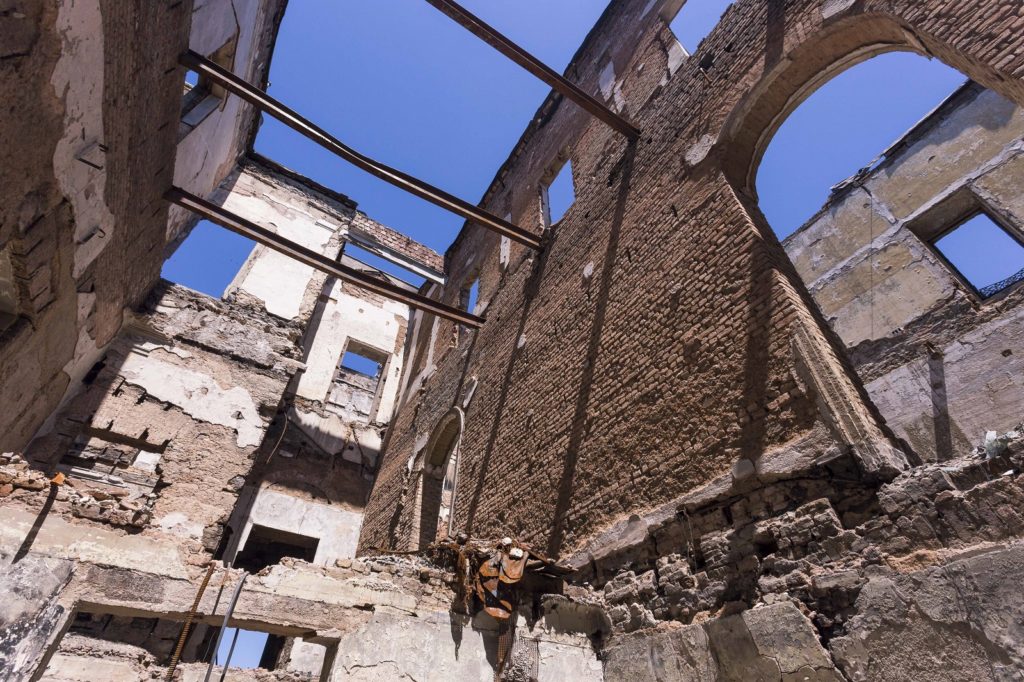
261 100
246 228
227 616
526 60
231 652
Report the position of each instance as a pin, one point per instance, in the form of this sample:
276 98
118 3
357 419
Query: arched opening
888 176
439 478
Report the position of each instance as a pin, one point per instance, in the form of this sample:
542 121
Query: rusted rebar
187 626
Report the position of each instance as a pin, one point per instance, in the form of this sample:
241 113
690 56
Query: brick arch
841 43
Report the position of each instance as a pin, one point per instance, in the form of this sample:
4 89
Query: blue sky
399 81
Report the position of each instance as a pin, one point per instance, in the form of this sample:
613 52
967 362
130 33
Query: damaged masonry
661 445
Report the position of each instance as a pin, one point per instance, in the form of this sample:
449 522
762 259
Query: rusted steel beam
526 60
290 118
309 257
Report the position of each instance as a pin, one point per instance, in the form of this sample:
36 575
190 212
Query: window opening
367 257
201 97
198 102
252 649
695 20
357 381
387 257
267 546
439 480
196 87
842 128
264 547
984 253
207 259
559 195
471 296
361 364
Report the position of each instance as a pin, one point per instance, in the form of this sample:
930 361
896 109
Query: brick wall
692 356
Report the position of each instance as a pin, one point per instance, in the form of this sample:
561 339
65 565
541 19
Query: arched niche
439 478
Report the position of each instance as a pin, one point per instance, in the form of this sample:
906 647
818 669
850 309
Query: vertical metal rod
231 652
261 100
187 626
507 47
227 617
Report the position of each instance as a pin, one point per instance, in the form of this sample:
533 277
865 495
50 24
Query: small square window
357 381
559 195
984 253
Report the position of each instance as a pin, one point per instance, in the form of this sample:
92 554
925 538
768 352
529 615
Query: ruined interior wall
316 482
663 316
910 582
149 454
907 318
162 436
100 88
353 609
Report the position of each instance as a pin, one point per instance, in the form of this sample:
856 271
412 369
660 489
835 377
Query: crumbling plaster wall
100 90
320 219
210 151
355 609
942 365
162 437
662 342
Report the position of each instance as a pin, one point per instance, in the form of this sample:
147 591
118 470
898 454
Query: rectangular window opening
471 296
695 20
198 100
361 364
358 381
558 195
984 253
386 266
202 97
267 546
251 649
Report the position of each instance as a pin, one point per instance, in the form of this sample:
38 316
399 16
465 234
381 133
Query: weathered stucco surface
942 365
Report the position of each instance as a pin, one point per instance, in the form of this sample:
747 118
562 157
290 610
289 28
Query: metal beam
266 103
309 257
526 60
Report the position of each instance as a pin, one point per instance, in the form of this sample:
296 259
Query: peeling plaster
78 80
198 395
